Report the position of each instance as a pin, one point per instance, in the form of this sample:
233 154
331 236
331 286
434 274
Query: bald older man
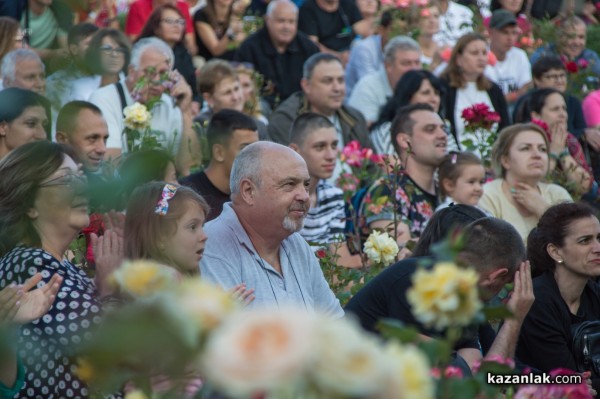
255 240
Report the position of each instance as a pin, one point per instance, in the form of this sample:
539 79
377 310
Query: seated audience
43 208
59 88
492 247
278 51
107 60
512 70
333 25
219 29
564 252
461 177
571 45
517 8
168 24
313 136
49 31
366 56
23 118
254 105
400 55
518 195
255 241
467 84
323 91
565 152
420 141
428 27
414 87
549 72
23 68
228 133
151 58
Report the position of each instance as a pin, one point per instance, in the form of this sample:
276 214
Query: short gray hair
273 4
311 63
10 60
247 165
142 45
399 43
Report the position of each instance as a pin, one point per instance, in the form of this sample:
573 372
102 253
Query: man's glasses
174 21
70 180
114 51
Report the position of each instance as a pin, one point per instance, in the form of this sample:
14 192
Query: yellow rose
143 278
444 296
408 374
381 248
137 116
137 394
84 370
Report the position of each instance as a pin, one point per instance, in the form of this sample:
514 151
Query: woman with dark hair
467 85
23 118
564 251
219 28
414 87
565 152
168 24
107 59
43 207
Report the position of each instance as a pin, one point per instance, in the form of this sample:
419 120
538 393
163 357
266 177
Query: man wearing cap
512 71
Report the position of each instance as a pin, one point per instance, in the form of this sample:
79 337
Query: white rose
260 351
407 373
137 116
350 363
206 304
381 248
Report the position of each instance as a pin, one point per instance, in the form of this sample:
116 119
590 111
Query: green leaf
395 329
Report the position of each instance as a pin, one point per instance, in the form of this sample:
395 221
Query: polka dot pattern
46 344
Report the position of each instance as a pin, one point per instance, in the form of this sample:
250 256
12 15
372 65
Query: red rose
468 114
582 63
321 253
572 67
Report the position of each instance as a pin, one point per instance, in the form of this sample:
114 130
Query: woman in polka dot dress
43 207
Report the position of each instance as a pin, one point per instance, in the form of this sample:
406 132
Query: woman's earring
560 261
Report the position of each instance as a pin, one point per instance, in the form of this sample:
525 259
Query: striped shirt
324 223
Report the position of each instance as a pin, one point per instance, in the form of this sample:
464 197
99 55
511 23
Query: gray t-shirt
230 259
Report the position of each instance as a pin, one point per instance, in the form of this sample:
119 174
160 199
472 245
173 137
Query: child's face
468 188
186 246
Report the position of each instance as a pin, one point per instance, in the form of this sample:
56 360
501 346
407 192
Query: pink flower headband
168 192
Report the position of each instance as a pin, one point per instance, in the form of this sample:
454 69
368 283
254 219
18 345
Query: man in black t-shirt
227 134
494 249
333 24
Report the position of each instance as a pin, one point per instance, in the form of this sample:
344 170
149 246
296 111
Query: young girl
164 222
461 177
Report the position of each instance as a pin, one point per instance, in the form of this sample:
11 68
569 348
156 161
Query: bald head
282 22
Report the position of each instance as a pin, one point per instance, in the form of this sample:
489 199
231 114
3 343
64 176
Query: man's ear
248 191
218 152
295 147
497 275
3 129
304 84
61 138
403 141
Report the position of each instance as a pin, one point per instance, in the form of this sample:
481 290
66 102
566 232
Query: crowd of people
212 148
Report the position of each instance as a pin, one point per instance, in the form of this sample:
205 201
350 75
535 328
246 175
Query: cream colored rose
206 304
407 373
137 116
444 296
350 363
381 248
137 394
260 350
143 278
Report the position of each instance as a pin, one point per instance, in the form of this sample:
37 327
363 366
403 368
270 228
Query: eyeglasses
114 51
555 76
174 21
66 180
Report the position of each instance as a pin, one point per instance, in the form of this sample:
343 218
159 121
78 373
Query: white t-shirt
512 73
370 94
465 98
457 21
166 118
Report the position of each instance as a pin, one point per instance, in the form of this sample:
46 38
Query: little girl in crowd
461 176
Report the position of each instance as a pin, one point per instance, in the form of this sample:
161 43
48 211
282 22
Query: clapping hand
22 304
